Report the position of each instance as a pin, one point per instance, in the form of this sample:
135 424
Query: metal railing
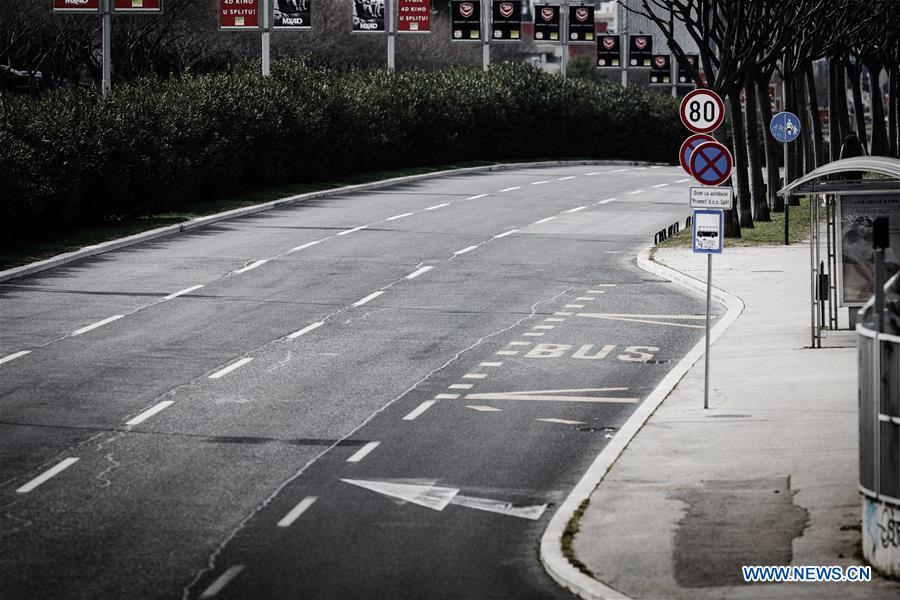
879 414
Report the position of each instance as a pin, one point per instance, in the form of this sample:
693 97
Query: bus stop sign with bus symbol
708 226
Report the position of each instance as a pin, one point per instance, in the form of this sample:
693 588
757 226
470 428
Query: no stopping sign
711 163
702 111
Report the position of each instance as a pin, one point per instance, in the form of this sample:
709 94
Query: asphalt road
379 395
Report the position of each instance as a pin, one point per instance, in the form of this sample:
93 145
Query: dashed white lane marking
446 397
605 285
354 230
544 326
562 421
596 291
481 408
368 298
520 343
464 250
46 475
506 233
93 326
437 206
607 201
566 178
574 306
298 510
576 209
554 320
183 292
635 192
490 364
620 171
461 386
640 168
539 182
219 584
585 298
557 396
476 197
474 375
14 356
547 220
223 372
512 189
661 185
507 352
250 267
593 173
305 330
395 217
533 333
419 410
305 246
363 452
563 314
150 412
685 180
419 271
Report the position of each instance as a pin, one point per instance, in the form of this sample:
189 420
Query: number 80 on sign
702 111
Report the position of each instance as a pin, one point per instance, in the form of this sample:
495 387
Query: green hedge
71 158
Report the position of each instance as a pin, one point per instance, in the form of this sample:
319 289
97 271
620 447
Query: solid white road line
547 220
474 375
49 473
183 292
363 452
511 189
476 197
506 233
368 298
566 178
661 185
464 250
607 201
490 364
230 368
575 210
460 386
219 584
418 272
14 356
419 410
298 510
250 267
304 246
437 206
150 412
306 329
635 192
395 217
539 182
354 230
96 325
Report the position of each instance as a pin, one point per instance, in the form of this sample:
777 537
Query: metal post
708 306
105 58
564 33
813 268
485 35
390 17
266 35
818 238
787 199
673 64
623 30
879 289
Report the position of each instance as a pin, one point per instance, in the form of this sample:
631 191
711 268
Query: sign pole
564 33
266 38
787 199
485 35
708 303
106 59
392 35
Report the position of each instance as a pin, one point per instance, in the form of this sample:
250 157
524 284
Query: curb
87 251
555 563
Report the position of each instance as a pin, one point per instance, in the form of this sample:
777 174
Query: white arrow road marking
481 408
437 498
651 319
557 396
562 421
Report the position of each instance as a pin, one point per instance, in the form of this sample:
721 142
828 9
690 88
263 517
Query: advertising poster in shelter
368 16
857 258
293 14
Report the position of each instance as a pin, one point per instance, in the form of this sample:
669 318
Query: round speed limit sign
702 111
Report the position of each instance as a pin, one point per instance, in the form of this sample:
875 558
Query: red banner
138 6
239 14
76 5
414 16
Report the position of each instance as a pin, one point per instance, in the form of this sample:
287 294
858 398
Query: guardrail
672 230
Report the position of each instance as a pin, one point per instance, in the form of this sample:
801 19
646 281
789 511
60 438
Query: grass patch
766 233
569 535
41 249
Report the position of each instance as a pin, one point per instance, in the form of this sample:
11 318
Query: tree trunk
879 130
757 186
794 157
806 156
844 112
834 109
853 71
894 88
773 151
813 96
743 199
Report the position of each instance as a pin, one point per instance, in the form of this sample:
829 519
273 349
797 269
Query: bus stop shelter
842 273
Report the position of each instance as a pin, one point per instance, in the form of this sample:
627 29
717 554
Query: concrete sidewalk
766 476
